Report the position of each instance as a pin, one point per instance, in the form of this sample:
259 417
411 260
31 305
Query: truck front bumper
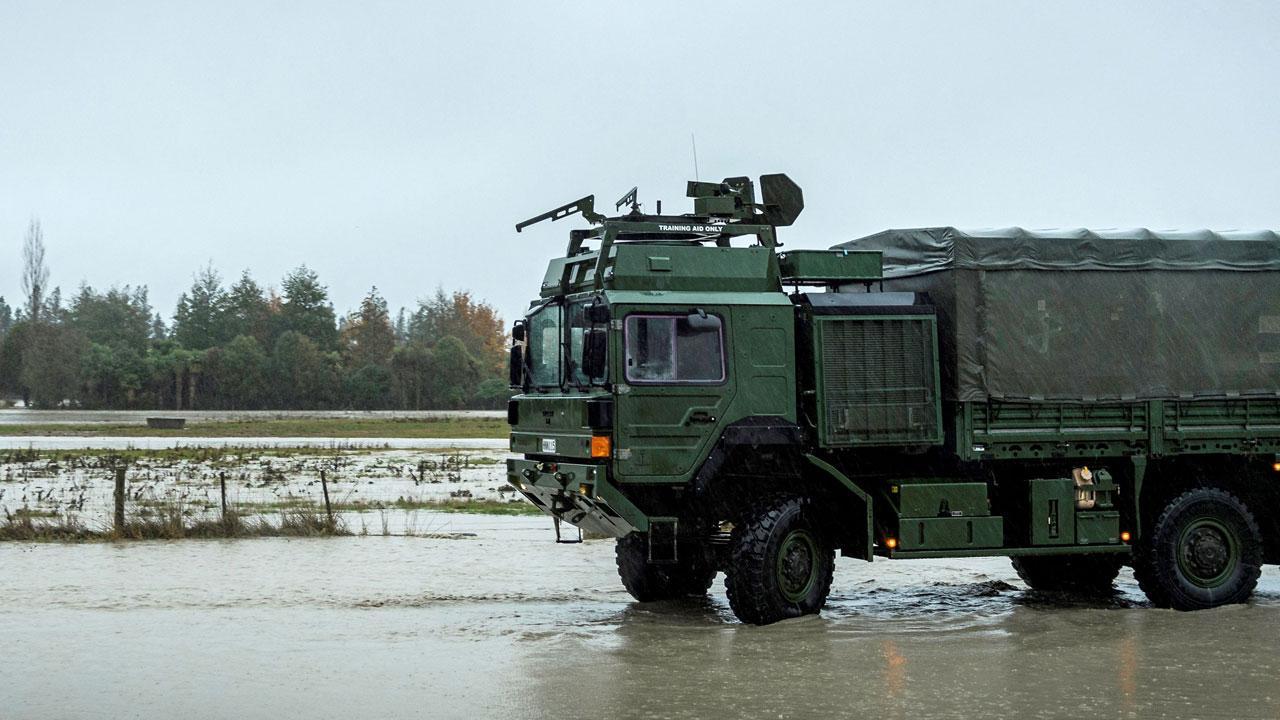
578 494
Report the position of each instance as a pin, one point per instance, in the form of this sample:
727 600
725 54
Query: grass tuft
172 521
24 527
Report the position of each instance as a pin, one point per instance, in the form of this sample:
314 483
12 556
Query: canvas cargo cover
1081 315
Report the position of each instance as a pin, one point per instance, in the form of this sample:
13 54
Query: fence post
119 496
222 481
324 486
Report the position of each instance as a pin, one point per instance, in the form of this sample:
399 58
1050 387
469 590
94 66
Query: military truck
1077 401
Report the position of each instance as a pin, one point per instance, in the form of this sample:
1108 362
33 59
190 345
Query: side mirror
700 320
517 331
516 369
595 351
598 314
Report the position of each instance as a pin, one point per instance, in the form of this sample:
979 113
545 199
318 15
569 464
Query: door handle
701 416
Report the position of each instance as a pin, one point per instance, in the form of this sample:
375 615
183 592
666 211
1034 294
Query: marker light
1275 466
601 445
891 543
1124 536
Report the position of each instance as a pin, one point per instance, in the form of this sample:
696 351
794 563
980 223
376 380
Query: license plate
548 445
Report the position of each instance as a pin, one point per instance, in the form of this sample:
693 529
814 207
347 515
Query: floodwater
501 622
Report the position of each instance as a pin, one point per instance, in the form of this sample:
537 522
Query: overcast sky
397 144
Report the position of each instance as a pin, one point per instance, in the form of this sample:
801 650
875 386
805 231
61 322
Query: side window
675 349
544 347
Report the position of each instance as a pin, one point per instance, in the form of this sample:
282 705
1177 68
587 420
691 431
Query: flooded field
372 490
503 623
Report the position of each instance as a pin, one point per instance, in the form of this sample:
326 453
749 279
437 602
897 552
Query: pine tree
199 322
6 317
368 338
306 309
248 311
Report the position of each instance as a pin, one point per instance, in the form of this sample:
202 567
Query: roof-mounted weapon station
728 207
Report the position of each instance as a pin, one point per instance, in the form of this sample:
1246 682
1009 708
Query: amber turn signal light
601 446
1124 536
891 543
1275 466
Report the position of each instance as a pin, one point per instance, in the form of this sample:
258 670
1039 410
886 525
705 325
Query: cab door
675 385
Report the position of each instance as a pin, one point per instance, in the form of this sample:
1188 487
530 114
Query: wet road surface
506 624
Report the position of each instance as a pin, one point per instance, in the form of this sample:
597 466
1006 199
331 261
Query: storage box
1097 527
948 499
1053 507
951 533
828 266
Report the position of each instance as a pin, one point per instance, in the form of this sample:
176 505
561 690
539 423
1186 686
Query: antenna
694 140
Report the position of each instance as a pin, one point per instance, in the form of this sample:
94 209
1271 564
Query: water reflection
933 650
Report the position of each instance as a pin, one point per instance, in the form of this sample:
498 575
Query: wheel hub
797 565
1207 553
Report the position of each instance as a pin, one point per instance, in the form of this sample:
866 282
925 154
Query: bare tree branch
35 274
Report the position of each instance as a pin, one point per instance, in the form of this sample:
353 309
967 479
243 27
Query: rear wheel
1091 574
781 563
1205 550
648 582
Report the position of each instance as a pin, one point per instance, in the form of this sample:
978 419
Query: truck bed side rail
1034 430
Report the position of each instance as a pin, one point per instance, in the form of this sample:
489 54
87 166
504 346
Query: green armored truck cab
1076 401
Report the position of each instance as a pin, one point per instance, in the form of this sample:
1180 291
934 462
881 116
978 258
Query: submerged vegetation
69 495
172 521
475 507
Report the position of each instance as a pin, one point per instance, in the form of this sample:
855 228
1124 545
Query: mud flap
868 550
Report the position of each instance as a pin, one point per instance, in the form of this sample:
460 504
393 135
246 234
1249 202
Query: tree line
245 347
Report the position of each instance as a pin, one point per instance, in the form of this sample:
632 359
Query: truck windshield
556 345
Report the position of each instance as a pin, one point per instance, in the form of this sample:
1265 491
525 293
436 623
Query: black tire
1085 574
780 564
649 582
1204 550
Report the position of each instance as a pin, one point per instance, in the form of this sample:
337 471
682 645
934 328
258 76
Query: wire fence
204 484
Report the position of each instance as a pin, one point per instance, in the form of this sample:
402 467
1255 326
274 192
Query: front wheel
781 563
1205 550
